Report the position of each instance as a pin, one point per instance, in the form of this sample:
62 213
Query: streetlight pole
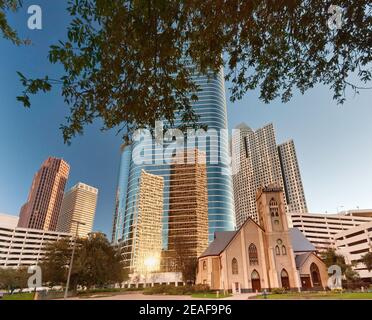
78 223
339 207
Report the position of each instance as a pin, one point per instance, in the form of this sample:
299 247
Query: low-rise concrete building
21 247
321 228
353 244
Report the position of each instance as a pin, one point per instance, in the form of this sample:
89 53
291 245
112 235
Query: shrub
337 290
201 288
278 291
173 290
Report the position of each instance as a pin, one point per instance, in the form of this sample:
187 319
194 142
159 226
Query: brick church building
262 256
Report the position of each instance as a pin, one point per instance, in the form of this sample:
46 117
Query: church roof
301 258
299 241
220 242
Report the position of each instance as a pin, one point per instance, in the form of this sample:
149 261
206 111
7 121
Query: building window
284 250
255 275
253 255
277 250
273 203
234 265
274 208
204 265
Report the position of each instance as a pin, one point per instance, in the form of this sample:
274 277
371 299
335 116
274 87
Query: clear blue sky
334 143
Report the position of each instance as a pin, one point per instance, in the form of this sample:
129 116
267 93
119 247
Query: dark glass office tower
211 107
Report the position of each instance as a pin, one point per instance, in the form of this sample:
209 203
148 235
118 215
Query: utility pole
78 223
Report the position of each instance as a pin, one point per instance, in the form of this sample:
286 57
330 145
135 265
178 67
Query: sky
334 143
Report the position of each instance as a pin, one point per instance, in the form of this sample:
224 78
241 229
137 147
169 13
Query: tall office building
79 204
294 190
147 231
211 108
121 194
188 210
261 163
43 205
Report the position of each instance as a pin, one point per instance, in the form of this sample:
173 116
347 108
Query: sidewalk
140 296
242 296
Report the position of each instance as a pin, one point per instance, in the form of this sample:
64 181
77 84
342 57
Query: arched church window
284 274
284 250
204 265
255 275
274 208
253 255
235 267
273 203
277 250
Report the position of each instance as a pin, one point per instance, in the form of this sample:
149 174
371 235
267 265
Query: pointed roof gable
301 258
300 242
222 240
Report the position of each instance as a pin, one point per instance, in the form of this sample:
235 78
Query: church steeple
273 218
271 208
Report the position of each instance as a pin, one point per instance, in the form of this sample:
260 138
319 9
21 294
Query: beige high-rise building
147 233
79 204
188 208
294 190
260 163
43 205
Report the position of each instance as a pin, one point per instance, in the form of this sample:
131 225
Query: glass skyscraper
211 108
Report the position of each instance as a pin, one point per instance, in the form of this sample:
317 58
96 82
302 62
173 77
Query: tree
96 263
331 257
7 31
12 279
189 269
351 275
56 263
131 62
367 260
99 263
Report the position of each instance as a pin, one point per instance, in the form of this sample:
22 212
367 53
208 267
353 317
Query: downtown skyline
106 202
333 142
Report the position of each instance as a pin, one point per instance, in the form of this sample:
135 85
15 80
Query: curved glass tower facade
121 192
211 108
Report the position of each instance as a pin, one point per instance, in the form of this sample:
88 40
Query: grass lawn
210 295
318 296
19 296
